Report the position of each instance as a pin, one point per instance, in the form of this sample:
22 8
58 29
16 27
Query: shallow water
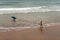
6 29
27 19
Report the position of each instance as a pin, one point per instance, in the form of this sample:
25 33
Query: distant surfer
14 18
41 25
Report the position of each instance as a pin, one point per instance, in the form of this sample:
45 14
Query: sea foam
29 9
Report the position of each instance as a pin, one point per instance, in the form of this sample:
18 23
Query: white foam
29 9
18 10
4 29
52 24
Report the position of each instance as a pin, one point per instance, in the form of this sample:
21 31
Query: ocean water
29 6
25 6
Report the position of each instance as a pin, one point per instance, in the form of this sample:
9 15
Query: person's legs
41 28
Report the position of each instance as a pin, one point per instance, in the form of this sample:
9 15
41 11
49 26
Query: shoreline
8 29
49 33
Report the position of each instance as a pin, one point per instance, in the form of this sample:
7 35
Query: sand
30 20
48 33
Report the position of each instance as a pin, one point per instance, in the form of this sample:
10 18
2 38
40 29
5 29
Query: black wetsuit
41 23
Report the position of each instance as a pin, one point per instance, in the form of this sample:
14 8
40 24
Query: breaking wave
29 9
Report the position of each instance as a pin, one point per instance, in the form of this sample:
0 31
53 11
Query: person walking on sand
41 26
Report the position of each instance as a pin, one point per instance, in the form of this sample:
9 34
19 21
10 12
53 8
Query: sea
38 9
25 6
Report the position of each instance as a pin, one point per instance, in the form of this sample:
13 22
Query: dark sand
49 33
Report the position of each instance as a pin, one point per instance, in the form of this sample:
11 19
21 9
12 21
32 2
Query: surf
29 9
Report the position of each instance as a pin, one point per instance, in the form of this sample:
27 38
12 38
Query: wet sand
24 20
49 33
29 18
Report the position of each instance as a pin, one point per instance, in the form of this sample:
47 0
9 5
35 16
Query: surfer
14 18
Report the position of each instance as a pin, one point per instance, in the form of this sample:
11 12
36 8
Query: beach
49 33
26 26
23 19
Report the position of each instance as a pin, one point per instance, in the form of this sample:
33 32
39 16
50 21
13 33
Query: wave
29 9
